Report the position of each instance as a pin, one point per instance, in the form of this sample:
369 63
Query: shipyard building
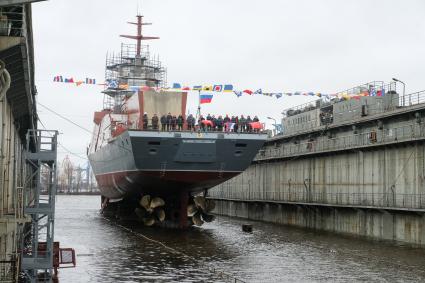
28 156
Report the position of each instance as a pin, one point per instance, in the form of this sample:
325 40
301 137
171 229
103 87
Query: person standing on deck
163 122
214 123
248 123
226 122
145 121
169 118
242 124
155 121
219 123
200 123
180 122
174 122
190 122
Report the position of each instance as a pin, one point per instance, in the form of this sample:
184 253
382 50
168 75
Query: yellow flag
207 88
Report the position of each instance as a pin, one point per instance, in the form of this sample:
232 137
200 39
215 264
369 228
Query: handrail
408 132
399 102
300 195
334 98
12 22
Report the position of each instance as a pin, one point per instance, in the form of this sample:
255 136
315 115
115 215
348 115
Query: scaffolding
132 68
40 190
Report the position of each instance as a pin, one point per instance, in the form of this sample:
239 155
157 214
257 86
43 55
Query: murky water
107 252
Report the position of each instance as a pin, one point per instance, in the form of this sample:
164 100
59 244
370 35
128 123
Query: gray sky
279 46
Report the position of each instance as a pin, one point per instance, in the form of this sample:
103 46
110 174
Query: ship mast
139 37
131 69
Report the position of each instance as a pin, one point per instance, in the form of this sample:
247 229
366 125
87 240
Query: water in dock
107 252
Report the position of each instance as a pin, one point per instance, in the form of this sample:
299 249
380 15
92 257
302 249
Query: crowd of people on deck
227 123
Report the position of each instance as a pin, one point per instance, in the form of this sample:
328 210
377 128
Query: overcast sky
278 46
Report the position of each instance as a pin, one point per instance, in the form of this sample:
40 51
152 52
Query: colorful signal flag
177 86
58 79
207 88
238 93
90 81
197 87
228 88
218 88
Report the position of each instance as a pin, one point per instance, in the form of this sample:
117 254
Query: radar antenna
139 37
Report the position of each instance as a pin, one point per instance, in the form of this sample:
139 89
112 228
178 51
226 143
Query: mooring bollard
247 228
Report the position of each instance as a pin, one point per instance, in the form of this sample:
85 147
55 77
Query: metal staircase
39 191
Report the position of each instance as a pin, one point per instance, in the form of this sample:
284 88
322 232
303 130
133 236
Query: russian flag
205 98
228 88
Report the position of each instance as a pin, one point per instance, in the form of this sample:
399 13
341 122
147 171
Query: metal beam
17 2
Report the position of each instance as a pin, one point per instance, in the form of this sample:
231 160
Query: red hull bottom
121 184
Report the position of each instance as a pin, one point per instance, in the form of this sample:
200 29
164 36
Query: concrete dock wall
373 191
376 224
385 177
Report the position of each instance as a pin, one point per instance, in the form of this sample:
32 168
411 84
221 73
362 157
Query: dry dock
360 172
271 253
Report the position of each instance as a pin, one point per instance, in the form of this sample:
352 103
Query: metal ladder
39 205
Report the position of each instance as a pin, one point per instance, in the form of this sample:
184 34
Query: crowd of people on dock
227 123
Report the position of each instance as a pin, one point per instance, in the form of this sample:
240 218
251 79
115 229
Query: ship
162 177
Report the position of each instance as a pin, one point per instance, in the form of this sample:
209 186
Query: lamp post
275 124
404 88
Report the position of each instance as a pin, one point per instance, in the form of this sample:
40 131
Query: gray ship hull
166 163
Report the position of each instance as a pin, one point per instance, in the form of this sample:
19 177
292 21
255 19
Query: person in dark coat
163 122
190 122
155 121
180 122
219 123
169 119
242 124
174 122
145 121
248 125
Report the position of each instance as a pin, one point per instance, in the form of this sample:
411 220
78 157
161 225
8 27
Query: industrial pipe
4 87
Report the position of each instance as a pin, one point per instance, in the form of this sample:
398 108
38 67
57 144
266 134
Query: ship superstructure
157 174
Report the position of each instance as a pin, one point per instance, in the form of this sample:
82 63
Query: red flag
248 91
